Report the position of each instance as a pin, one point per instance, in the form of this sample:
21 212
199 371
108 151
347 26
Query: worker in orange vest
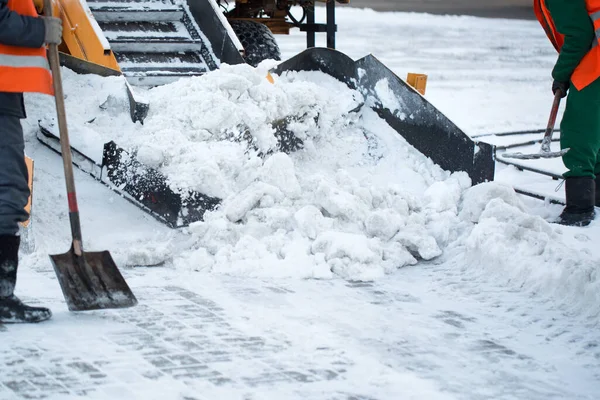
23 68
573 27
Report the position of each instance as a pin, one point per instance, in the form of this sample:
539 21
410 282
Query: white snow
389 100
355 258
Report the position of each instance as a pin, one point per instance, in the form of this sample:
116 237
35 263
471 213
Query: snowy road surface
501 305
426 333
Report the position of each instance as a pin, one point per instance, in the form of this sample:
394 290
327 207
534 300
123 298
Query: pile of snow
356 201
510 246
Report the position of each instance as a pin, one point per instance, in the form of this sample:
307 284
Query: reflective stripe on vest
23 61
596 20
24 69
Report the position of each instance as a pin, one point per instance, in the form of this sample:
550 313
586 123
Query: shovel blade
91 281
536 156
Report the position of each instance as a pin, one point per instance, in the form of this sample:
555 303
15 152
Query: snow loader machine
154 42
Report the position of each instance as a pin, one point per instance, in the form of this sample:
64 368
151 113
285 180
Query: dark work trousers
580 131
14 191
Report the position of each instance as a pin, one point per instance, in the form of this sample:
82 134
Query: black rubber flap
149 188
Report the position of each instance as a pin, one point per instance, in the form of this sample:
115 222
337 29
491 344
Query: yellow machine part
80 33
417 81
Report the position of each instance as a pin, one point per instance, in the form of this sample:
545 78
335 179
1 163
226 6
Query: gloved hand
53 30
562 86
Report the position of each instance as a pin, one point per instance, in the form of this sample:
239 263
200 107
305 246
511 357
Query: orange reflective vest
24 69
588 69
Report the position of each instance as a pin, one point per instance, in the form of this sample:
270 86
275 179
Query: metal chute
419 122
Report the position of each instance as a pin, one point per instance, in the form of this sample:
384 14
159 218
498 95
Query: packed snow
425 250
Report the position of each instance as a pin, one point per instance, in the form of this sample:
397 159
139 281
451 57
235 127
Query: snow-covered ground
352 269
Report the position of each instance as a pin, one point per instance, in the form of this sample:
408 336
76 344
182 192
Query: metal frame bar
310 20
312 28
331 27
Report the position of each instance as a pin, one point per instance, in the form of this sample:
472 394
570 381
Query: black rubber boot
581 198
12 310
9 260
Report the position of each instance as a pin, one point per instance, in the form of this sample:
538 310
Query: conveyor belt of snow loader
159 41
418 121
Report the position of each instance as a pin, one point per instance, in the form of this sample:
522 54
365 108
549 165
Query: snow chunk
279 171
477 198
311 221
395 256
418 241
384 224
338 202
249 198
150 156
388 98
339 245
350 255
444 196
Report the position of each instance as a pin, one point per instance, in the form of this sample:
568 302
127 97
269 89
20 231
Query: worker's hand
562 86
53 30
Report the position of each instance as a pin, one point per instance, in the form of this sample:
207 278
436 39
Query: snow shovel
89 280
547 140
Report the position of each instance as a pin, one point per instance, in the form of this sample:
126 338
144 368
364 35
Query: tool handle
551 122
53 59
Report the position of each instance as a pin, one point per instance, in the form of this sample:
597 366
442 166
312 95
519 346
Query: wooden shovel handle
547 140
54 61
554 112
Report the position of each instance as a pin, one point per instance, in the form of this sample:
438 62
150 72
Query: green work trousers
580 131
